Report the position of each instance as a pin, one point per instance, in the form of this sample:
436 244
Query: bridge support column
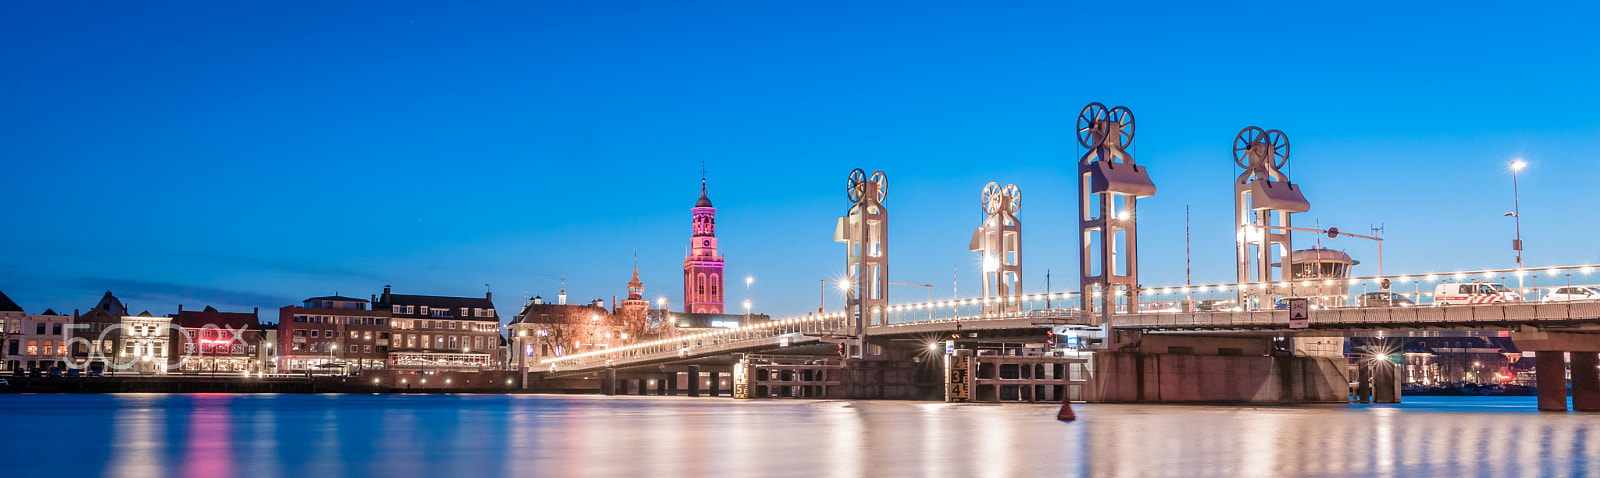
716 385
644 387
1550 375
672 383
661 385
694 380
1363 382
608 382
1385 383
1586 381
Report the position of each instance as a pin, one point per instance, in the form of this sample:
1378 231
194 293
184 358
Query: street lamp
1516 210
747 311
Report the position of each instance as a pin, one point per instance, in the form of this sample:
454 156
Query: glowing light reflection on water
398 436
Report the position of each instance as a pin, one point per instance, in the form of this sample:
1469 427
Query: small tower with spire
561 297
634 312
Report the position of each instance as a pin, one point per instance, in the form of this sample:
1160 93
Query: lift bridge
1274 335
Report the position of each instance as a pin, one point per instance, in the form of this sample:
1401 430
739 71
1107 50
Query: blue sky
254 155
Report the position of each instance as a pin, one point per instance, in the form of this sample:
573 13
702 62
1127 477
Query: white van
1455 293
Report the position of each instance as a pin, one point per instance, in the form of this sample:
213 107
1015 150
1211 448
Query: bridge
1129 329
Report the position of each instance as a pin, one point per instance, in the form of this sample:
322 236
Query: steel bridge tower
1000 242
1109 183
865 231
1263 201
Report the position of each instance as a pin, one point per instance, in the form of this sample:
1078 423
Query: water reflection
400 436
208 452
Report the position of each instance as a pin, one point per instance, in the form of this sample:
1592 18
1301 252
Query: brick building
211 341
332 334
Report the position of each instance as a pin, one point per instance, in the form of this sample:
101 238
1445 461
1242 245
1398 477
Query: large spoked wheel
1122 118
1015 193
1088 120
990 201
857 176
1279 143
1242 143
882 180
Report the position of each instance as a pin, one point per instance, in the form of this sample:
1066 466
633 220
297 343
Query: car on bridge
1385 299
1569 294
1459 293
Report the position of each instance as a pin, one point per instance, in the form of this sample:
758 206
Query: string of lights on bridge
682 340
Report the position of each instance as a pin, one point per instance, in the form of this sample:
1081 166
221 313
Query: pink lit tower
702 269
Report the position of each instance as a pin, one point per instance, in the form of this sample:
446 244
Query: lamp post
1516 209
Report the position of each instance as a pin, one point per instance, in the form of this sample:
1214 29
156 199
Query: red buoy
1066 414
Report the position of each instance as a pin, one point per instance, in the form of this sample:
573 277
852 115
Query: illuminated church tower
702 270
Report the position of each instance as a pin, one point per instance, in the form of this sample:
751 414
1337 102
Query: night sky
253 155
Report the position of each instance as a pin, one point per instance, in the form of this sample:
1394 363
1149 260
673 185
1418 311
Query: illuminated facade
145 345
442 333
216 342
702 270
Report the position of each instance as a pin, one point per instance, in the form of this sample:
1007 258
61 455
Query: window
55 329
411 341
424 310
489 312
438 341
452 326
453 342
477 342
383 335
47 349
366 349
355 335
313 333
397 310
382 321
33 347
464 312
300 319
40 328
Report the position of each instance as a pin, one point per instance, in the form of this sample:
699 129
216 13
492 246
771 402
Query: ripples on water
493 435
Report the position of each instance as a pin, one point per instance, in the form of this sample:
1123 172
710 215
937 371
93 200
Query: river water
579 436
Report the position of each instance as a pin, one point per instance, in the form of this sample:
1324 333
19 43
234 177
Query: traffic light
841 349
1049 338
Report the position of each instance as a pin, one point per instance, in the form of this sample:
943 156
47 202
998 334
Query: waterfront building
544 330
32 341
145 344
213 341
101 332
332 334
702 269
266 354
1436 361
10 326
442 333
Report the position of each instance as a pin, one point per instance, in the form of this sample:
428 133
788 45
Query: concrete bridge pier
715 389
694 380
1385 382
1363 383
1586 381
644 386
608 382
1550 375
672 383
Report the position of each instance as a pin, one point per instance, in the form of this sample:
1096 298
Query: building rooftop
6 305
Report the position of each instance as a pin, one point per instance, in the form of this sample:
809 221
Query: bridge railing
704 343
